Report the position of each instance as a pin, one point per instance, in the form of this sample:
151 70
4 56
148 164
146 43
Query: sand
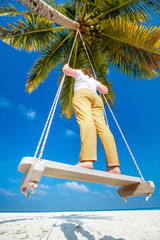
105 225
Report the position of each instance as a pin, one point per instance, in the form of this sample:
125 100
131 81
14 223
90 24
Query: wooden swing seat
35 169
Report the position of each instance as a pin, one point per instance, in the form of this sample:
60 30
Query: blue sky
22 118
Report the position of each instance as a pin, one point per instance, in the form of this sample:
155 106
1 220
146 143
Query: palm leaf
68 87
134 9
52 55
31 35
10 10
137 74
133 46
66 98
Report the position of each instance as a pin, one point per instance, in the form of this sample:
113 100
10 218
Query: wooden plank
25 164
143 188
66 171
34 174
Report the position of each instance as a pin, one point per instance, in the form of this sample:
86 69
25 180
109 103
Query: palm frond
130 45
68 87
66 98
31 35
52 55
10 10
138 10
137 73
84 9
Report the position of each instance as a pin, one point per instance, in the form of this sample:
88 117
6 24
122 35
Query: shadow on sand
71 227
70 230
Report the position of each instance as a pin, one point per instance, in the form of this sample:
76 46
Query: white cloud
28 112
109 194
40 192
42 186
96 193
69 133
35 198
106 194
4 102
76 187
7 193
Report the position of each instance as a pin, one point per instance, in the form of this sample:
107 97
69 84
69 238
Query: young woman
89 112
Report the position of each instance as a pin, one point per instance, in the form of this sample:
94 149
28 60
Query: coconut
97 26
92 28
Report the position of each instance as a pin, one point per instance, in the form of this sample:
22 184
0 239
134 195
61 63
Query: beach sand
100 225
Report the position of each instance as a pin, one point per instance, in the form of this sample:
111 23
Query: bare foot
86 164
113 170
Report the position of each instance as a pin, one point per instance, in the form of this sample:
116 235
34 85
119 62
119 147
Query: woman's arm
69 71
102 88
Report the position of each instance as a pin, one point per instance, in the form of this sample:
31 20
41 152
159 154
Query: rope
93 72
54 105
51 118
124 140
87 54
35 155
52 111
113 114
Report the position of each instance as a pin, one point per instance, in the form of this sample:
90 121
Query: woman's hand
69 71
102 88
65 66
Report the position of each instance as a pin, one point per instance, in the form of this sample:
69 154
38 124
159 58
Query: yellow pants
89 112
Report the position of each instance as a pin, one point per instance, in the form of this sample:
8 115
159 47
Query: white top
84 81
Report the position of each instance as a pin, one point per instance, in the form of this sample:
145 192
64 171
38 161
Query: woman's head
86 72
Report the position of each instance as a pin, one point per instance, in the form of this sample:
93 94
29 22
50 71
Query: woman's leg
82 107
105 135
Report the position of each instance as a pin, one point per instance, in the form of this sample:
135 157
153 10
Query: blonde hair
86 72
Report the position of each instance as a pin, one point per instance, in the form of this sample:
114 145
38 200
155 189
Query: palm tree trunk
42 8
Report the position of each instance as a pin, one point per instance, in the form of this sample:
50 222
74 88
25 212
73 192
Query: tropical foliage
116 34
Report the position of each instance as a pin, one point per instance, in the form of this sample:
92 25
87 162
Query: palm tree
116 34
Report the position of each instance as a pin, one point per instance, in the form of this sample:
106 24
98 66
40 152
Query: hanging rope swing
34 168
